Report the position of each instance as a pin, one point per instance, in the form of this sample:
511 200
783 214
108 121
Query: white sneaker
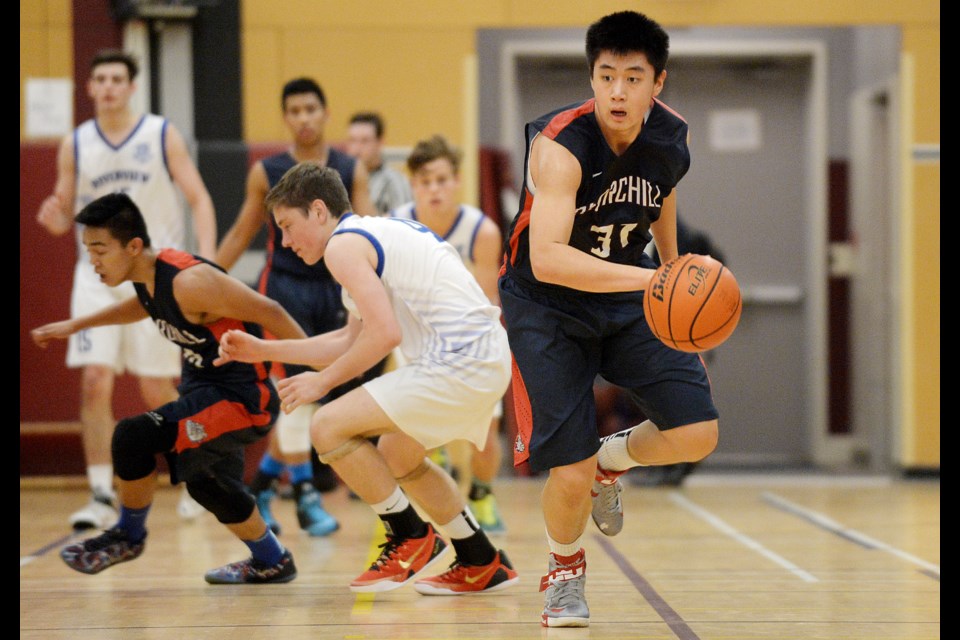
188 508
99 513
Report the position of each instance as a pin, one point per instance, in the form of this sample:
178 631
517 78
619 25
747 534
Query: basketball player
435 178
599 180
406 288
306 291
221 409
388 187
145 156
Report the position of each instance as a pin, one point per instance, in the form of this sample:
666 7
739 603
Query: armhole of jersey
531 187
376 245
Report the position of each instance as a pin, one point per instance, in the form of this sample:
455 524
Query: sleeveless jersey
136 166
200 343
462 235
443 314
281 258
618 196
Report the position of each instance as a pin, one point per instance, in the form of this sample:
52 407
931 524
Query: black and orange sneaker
401 559
470 580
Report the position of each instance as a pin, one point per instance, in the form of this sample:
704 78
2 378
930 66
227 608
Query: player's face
435 187
110 87
624 87
302 234
362 143
305 117
110 259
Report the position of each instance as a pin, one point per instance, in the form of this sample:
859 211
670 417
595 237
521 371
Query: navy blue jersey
200 342
618 196
280 258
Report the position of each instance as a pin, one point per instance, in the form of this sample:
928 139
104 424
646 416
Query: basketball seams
678 330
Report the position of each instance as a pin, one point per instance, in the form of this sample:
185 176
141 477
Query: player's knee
228 502
293 430
700 440
133 458
96 384
330 453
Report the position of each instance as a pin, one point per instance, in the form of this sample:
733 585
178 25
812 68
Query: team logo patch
141 152
519 447
196 432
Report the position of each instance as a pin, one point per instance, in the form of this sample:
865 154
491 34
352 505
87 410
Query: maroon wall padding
839 296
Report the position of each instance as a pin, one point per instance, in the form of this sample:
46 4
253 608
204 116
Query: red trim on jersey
179 259
223 325
523 414
216 420
523 221
562 119
668 108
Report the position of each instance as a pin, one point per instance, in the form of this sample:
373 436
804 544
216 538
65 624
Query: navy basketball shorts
215 425
561 341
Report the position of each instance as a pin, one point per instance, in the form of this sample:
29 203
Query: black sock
476 550
479 490
404 524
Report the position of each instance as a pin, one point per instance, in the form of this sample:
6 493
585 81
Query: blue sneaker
250 572
263 504
312 516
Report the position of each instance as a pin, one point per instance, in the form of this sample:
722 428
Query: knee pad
135 443
343 450
293 430
227 500
417 472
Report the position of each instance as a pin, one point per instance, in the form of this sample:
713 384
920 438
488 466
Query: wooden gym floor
724 557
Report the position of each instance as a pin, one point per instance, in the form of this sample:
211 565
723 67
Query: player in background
388 187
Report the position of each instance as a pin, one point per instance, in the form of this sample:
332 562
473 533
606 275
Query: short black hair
628 32
118 214
369 117
308 181
107 56
302 85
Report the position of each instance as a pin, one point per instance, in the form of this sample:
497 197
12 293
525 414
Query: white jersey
138 167
455 356
462 235
439 305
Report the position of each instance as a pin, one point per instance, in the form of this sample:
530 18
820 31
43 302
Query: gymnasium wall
416 61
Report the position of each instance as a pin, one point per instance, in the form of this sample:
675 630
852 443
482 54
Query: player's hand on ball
238 346
300 389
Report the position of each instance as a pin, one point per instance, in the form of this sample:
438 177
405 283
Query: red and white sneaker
401 559
470 580
607 510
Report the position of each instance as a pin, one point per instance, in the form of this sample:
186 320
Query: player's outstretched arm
125 312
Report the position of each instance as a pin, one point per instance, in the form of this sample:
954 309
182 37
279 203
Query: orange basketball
693 303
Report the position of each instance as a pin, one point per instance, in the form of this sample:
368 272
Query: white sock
462 526
559 549
396 503
100 477
614 455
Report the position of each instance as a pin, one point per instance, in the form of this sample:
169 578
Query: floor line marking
743 539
